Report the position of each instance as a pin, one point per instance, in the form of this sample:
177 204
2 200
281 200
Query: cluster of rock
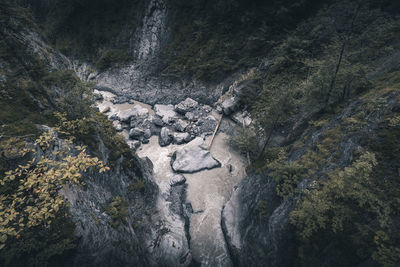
177 124
230 107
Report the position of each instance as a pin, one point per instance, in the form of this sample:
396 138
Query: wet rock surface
194 159
175 139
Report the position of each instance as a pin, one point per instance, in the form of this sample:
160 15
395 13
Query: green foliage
137 186
118 210
321 209
30 198
245 140
228 37
42 246
75 98
340 207
287 175
262 207
112 58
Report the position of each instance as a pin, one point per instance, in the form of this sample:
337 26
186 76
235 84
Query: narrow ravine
207 190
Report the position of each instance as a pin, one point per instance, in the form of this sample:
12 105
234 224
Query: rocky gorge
227 136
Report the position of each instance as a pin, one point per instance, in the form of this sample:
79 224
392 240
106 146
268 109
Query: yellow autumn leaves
31 191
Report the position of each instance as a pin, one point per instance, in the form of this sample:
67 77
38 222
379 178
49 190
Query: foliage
245 140
262 207
118 210
42 246
137 186
287 175
344 202
30 199
318 211
231 35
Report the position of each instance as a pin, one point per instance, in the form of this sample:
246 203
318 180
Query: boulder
136 111
208 124
206 108
136 133
193 115
180 138
166 112
181 125
177 179
229 105
134 144
158 121
242 118
140 111
186 106
105 109
165 137
117 125
147 134
193 159
125 115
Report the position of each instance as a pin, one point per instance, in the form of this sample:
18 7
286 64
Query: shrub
118 210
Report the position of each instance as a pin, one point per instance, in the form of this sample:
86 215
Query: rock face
255 236
146 244
193 159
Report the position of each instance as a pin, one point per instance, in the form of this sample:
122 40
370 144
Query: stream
207 190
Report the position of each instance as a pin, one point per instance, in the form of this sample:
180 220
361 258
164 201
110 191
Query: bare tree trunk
347 38
268 138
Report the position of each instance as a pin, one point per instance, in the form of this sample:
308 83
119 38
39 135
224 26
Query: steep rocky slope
304 92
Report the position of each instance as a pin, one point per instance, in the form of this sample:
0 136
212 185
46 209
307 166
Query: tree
348 207
273 108
31 192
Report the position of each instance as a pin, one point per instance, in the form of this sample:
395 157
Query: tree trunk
347 38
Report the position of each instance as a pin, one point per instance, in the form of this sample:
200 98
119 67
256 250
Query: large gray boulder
117 125
166 112
185 106
177 179
165 137
241 118
136 133
229 105
136 111
180 138
193 159
157 121
126 115
181 125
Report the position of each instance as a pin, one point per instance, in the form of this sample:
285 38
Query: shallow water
207 190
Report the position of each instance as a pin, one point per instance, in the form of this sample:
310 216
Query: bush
118 210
